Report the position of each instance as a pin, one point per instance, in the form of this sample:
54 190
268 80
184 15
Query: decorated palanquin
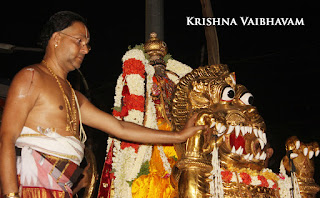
228 160
143 96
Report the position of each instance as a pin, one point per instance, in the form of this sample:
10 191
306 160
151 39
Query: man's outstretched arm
98 119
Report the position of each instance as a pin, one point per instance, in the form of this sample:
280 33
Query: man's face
73 45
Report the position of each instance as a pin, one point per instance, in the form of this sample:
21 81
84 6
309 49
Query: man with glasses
43 118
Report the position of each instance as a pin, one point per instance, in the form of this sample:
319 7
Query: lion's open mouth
246 141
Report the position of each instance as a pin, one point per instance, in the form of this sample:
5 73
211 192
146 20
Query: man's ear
56 38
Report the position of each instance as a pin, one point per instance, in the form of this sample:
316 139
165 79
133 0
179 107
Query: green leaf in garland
130 183
167 57
117 109
144 170
175 158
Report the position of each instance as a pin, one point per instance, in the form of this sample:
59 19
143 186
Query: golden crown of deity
155 47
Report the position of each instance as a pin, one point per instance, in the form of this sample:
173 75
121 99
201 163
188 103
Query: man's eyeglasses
80 42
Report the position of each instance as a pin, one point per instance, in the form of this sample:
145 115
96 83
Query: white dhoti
49 163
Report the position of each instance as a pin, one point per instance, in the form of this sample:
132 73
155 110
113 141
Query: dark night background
278 64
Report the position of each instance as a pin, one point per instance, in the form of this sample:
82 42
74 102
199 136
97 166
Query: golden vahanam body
303 164
236 128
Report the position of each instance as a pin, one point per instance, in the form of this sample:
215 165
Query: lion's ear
198 95
231 79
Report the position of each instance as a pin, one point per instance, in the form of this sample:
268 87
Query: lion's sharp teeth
238 151
230 129
255 131
264 137
251 157
297 144
218 126
263 156
222 129
305 151
293 155
233 150
212 124
250 129
237 130
262 144
317 153
247 156
257 156
243 130
311 154
260 133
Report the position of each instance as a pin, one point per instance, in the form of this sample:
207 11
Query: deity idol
143 96
228 160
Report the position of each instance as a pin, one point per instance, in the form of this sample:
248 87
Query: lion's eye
247 98
227 94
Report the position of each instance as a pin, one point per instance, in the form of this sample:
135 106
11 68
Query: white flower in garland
134 116
151 114
178 67
216 186
135 53
285 184
135 84
118 92
255 181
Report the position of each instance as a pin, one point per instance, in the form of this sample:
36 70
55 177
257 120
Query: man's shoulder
29 76
29 73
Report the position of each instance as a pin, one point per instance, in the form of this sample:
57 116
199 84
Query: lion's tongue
237 142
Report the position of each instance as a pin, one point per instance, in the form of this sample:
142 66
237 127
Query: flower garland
133 104
285 184
265 178
129 106
216 186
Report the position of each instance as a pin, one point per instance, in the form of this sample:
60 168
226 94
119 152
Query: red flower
264 182
131 101
133 66
226 176
116 113
246 178
127 144
125 91
281 176
124 111
134 102
275 185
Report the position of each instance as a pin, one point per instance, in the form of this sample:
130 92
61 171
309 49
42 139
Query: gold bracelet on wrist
12 195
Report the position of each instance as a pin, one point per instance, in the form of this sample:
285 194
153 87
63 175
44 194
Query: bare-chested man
42 118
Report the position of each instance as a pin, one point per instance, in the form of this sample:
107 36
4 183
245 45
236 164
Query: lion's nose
253 114
235 118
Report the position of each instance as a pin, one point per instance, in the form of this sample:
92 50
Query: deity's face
228 109
72 45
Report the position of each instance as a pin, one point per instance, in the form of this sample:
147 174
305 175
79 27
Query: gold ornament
155 47
302 156
235 142
70 108
226 107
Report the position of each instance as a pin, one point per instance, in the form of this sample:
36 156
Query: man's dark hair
57 22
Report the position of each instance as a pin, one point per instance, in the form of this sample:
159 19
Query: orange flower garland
246 178
226 176
133 66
